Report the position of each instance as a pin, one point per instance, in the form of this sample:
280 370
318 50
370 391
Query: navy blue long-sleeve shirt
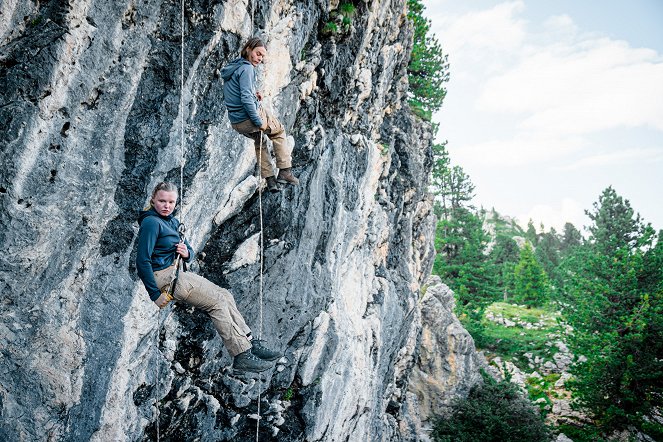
157 244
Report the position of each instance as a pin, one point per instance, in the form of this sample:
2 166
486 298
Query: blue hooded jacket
239 91
157 244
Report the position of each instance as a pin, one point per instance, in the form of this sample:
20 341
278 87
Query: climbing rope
260 289
261 270
181 228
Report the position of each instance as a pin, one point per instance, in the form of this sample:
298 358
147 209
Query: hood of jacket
228 70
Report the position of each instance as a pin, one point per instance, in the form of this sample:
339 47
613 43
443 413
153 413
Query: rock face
91 113
446 366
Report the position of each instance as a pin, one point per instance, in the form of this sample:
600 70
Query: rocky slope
90 111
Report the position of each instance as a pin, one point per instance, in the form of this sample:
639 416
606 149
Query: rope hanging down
260 289
261 271
181 229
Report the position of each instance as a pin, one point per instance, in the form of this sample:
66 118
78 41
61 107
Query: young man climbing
158 246
251 119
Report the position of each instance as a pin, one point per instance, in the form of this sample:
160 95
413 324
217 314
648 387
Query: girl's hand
161 301
182 250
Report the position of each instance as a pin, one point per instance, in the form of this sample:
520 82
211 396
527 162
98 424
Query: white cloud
586 87
524 148
568 210
622 157
486 33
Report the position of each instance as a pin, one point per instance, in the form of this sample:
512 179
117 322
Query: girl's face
256 55
164 202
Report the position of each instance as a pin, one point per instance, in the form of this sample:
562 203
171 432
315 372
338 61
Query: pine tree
504 256
428 69
462 260
615 225
548 253
530 234
571 238
615 306
531 285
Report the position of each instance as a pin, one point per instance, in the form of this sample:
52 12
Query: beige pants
276 133
216 301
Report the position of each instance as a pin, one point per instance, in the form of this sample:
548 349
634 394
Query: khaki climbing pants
276 133
217 302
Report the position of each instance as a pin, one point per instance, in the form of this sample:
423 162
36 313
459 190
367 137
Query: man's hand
259 95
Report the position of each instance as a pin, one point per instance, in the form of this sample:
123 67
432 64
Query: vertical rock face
91 111
447 364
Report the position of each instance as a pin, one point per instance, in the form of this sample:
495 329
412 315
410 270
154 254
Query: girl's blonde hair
166 187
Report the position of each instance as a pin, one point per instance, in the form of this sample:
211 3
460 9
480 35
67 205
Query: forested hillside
579 309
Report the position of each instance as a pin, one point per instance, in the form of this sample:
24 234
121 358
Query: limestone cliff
90 112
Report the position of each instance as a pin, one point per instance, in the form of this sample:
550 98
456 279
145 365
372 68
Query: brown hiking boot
286 177
272 185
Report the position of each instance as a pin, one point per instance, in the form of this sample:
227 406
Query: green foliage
571 238
428 69
289 393
530 234
347 9
330 28
461 260
340 20
511 343
493 411
531 285
35 21
548 253
615 306
615 226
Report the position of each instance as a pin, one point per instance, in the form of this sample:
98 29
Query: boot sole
287 182
269 359
239 371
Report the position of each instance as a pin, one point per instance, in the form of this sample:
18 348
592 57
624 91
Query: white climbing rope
260 288
261 270
181 188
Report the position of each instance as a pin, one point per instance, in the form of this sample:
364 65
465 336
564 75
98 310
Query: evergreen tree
428 69
531 285
548 253
462 260
615 306
504 256
493 411
571 238
530 234
615 225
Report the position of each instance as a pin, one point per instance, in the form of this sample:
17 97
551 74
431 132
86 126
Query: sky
551 102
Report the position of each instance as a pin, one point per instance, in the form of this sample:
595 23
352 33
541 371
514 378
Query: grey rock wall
90 114
446 365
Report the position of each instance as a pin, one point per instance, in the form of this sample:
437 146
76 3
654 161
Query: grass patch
532 333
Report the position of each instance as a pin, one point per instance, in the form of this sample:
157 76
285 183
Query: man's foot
247 361
286 177
272 185
259 350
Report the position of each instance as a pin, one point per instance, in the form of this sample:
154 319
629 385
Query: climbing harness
169 290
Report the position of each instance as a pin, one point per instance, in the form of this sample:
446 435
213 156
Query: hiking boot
247 361
272 185
258 349
286 177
